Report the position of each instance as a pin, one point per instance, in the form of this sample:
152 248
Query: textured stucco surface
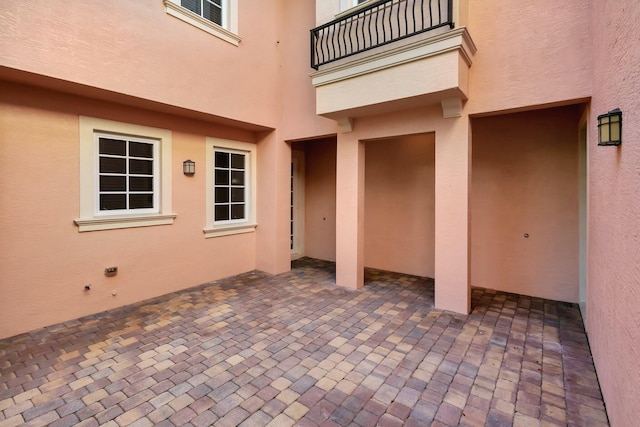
135 51
136 48
613 286
320 199
350 164
525 181
452 176
531 52
299 95
400 204
542 52
45 263
447 73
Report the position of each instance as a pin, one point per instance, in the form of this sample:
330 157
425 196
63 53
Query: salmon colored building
151 146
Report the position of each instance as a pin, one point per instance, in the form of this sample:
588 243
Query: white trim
457 39
213 229
246 186
156 175
227 32
88 220
345 124
451 108
583 214
297 159
228 230
110 223
348 6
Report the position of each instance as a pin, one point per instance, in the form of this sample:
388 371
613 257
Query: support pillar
273 254
453 184
349 211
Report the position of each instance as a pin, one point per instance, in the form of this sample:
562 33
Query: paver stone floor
295 349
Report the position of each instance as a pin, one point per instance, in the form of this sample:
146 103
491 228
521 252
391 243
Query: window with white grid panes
213 10
230 186
216 17
127 181
348 4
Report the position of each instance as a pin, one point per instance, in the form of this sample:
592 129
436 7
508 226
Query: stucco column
350 211
272 236
452 234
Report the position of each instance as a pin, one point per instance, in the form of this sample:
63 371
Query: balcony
391 55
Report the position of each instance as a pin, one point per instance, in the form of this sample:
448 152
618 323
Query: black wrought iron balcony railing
378 24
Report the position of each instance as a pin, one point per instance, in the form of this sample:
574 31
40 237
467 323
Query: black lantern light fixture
189 167
610 128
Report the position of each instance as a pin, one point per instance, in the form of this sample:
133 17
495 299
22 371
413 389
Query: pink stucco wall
299 102
273 204
136 48
529 53
451 144
400 204
613 275
539 53
350 189
320 199
45 263
525 180
173 76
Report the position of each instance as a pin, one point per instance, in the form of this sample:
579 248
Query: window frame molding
227 32
348 6
156 174
212 229
93 220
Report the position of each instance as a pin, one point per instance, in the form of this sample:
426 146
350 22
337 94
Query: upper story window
216 17
213 10
348 4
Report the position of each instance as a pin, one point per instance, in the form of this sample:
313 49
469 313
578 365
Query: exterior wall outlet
111 271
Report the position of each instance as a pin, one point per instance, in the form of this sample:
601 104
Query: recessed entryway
313 203
525 203
399 231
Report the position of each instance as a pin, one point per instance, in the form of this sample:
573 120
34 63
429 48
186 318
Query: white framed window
125 175
231 187
213 10
348 4
216 17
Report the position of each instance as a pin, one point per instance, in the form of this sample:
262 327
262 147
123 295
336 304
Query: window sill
229 230
353 9
111 223
201 23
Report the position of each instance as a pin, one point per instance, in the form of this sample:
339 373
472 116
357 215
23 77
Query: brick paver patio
294 349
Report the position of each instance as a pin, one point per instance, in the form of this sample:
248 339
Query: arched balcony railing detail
378 24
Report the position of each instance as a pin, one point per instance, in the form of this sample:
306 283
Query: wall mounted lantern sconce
189 167
610 128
